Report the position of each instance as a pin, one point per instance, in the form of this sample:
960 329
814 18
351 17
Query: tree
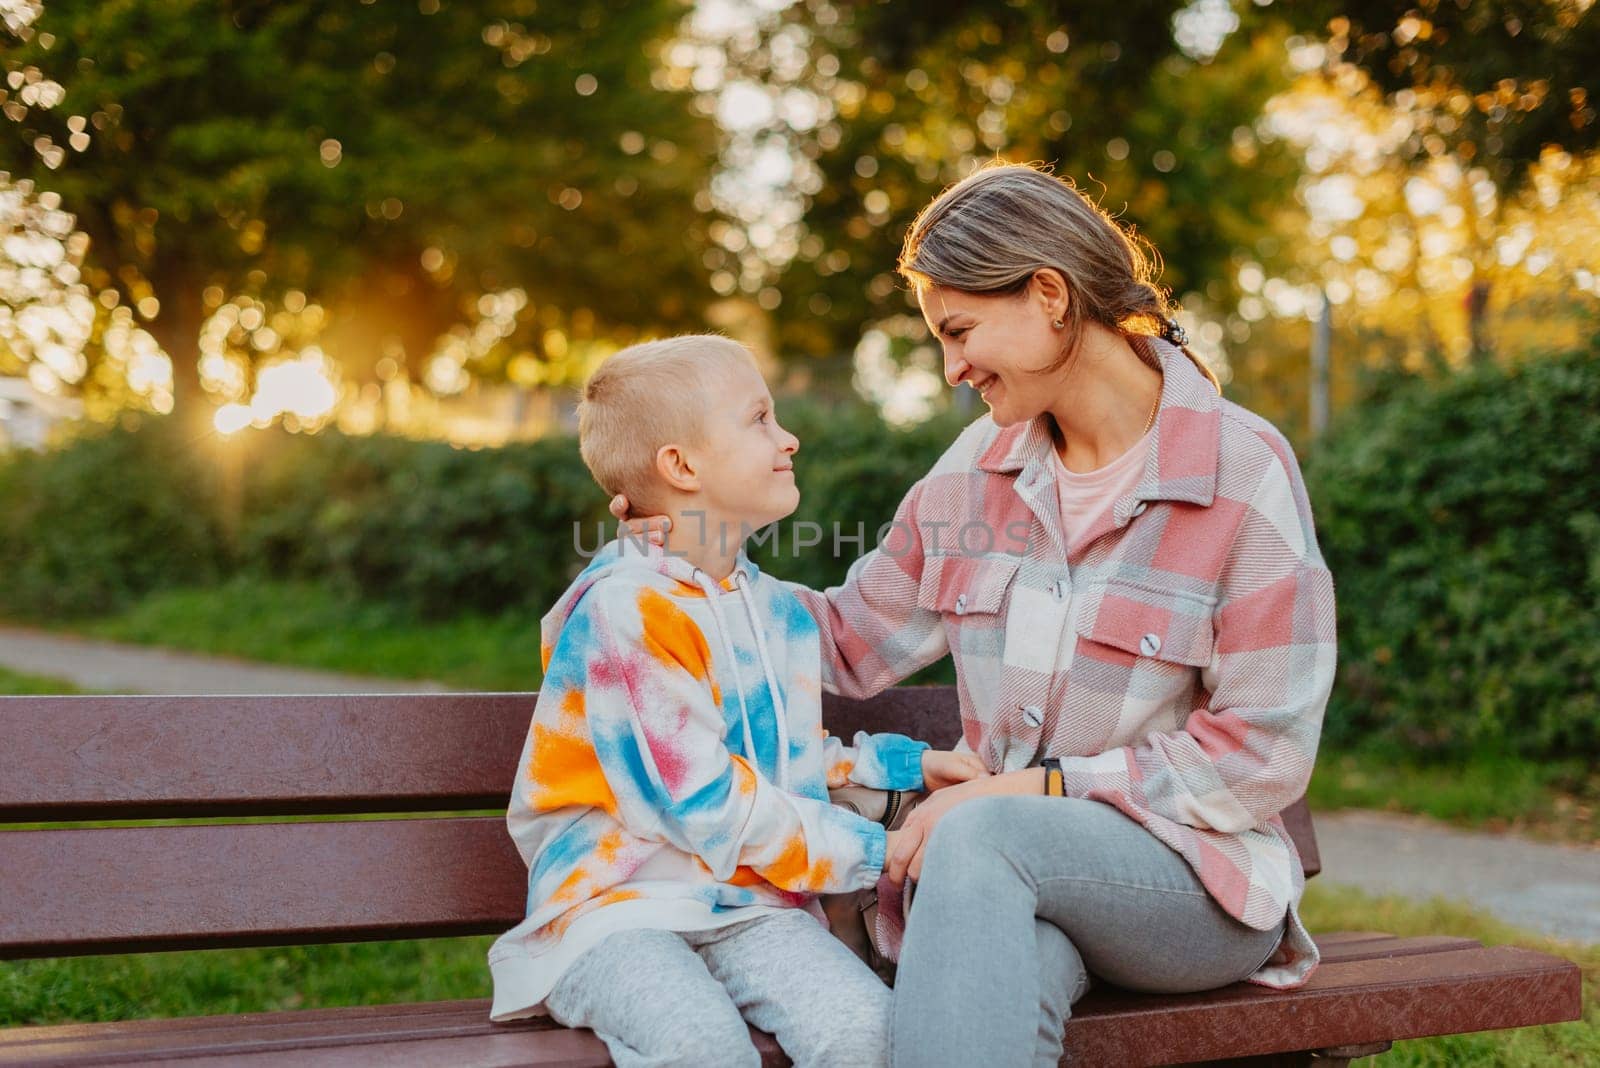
909 99
400 159
1492 84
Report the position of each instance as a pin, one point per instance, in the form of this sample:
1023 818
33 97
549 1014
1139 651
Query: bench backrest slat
93 890
144 757
127 889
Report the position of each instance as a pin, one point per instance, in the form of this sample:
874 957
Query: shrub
434 530
115 515
1462 525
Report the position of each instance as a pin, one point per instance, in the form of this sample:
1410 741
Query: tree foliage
913 97
399 160
1495 81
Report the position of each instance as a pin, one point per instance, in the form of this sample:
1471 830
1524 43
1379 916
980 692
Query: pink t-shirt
1084 496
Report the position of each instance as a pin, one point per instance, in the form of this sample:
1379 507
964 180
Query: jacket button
1139 507
1033 714
1150 644
961 605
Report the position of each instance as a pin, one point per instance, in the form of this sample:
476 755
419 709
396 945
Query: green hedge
435 530
86 528
1462 524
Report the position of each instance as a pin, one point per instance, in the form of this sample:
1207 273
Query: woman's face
998 345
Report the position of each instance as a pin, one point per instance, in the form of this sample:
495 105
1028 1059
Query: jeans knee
967 833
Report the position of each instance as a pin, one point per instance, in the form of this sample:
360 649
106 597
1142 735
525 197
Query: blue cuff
876 842
901 758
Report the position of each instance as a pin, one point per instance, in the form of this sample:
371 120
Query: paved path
117 668
1550 888
1537 885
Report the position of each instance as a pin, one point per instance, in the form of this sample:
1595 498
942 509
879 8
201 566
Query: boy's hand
942 767
653 527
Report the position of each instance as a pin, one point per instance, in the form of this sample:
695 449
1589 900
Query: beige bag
853 915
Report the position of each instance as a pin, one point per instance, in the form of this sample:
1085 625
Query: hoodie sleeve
881 761
653 710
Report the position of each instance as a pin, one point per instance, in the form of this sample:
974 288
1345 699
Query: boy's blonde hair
644 397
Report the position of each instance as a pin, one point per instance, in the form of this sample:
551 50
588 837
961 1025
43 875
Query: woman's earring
1058 324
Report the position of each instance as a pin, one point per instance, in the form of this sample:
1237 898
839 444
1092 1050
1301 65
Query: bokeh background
296 297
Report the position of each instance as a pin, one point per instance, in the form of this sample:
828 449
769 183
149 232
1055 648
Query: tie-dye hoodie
676 772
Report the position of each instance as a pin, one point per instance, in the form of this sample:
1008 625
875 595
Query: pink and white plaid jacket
1178 661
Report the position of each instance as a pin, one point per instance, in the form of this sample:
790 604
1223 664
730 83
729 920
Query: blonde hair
990 232
644 397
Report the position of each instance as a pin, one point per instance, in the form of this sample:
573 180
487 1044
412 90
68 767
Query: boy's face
746 461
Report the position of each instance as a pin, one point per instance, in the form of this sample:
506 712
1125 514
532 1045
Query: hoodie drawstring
713 593
772 678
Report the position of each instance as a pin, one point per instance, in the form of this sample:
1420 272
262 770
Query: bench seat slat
1380 948
1345 1003
393 1034
125 889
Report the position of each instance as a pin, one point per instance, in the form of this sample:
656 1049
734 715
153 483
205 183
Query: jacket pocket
1150 622
965 585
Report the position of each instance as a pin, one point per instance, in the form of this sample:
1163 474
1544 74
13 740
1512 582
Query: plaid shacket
1177 660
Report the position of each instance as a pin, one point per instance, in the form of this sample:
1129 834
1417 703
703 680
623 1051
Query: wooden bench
86 890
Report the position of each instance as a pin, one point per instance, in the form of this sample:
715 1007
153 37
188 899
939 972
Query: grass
17 684
204 982
309 626
1489 791
254 980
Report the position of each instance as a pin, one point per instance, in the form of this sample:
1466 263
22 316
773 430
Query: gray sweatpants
676 997
1021 898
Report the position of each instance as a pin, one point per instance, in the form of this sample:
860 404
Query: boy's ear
675 466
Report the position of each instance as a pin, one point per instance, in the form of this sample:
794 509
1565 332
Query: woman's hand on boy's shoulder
944 767
653 527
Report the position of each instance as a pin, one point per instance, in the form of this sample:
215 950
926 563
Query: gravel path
1537 885
117 668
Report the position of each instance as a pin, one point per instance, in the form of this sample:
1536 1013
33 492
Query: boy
672 797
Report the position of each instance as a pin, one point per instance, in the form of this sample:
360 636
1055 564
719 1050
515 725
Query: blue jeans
1020 899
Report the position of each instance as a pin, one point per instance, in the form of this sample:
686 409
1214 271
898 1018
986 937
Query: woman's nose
954 367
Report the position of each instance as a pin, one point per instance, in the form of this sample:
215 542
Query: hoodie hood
640 558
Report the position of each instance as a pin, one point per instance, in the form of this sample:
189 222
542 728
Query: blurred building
28 418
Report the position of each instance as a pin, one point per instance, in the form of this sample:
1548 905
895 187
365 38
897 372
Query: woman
1124 568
